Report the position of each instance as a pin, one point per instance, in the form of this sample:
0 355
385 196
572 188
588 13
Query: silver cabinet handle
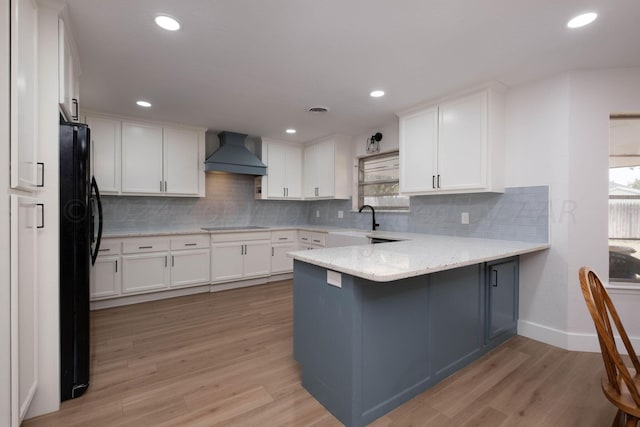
316 241
173 263
145 247
42 180
241 249
165 260
165 186
272 251
282 238
438 180
76 106
161 186
495 283
104 250
433 182
284 192
245 249
116 266
41 215
191 244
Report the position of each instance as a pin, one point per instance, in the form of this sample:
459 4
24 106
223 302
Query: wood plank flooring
225 359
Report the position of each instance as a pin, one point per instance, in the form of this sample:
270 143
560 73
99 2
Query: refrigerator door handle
94 186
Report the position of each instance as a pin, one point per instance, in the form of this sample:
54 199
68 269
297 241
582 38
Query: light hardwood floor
225 359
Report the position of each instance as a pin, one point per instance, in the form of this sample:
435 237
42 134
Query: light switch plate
340 214
317 214
465 218
334 278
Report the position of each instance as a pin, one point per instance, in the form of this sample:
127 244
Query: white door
257 259
24 305
106 278
419 151
276 170
226 261
181 167
280 262
24 93
294 171
145 272
105 152
190 267
463 143
141 158
326 169
310 171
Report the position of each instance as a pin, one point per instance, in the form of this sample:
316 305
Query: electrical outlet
340 214
465 218
318 214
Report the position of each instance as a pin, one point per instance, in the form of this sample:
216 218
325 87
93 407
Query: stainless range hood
234 157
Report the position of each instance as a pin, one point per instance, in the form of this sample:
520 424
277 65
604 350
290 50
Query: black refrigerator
80 233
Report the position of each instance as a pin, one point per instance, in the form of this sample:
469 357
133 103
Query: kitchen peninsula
375 325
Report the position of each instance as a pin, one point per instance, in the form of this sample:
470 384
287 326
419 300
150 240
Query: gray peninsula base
367 347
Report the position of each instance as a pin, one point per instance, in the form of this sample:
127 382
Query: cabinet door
106 279
226 261
419 151
276 170
462 149
293 171
326 164
280 262
24 96
145 272
181 166
190 267
503 297
257 259
105 151
310 171
24 305
67 76
141 158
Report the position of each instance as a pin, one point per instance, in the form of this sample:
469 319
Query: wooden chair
619 383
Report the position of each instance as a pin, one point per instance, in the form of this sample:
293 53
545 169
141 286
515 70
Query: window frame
360 184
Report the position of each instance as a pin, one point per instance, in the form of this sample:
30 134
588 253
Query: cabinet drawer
194 241
109 247
313 238
147 244
241 237
283 236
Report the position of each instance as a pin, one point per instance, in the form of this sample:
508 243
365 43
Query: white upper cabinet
181 161
136 158
456 146
24 95
327 169
462 144
68 74
284 170
419 151
142 160
105 153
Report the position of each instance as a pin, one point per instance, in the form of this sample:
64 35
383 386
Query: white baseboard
154 296
573 341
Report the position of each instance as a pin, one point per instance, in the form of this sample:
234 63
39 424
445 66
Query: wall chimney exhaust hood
234 157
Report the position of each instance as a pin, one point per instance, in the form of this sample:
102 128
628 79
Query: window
624 199
378 183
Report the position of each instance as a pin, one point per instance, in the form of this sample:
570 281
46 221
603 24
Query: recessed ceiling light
377 93
167 22
144 104
582 20
292 131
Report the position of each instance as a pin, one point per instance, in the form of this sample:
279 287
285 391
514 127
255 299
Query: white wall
557 134
594 96
5 327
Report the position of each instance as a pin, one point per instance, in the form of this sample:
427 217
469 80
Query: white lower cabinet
145 272
106 277
190 267
282 242
236 256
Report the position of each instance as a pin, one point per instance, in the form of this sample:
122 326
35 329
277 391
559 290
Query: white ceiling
255 66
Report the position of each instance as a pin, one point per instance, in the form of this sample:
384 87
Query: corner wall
557 134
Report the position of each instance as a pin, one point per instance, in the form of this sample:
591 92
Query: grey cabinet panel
456 318
502 285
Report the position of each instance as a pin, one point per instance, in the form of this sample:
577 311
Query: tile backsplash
520 213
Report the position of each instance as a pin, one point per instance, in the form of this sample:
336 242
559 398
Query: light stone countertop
138 232
422 254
